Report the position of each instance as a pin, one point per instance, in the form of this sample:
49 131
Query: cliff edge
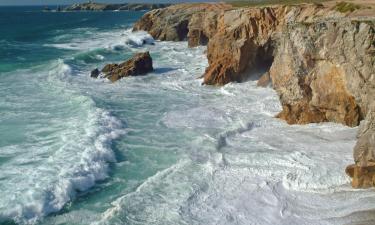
320 58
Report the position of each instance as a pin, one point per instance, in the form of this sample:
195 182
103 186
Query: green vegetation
243 3
345 7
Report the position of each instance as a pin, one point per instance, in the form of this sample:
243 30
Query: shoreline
310 51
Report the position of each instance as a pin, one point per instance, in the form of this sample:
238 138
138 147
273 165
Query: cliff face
324 71
321 62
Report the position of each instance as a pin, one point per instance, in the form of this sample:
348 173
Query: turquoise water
158 149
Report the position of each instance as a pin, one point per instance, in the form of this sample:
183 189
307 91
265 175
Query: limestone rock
139 64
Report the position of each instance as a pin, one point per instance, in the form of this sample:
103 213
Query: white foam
38 186
139 38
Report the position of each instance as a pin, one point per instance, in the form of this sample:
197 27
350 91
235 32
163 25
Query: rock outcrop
324 71
91 6
363 171
172 23
321 62
139 64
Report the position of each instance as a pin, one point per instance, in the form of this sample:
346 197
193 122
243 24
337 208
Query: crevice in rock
182 30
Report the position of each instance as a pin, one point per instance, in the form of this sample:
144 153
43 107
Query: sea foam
73 164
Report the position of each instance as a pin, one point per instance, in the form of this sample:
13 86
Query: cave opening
261 61
264 57
182 30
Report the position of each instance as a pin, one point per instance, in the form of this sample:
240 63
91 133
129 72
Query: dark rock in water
264 80
139 64
95 73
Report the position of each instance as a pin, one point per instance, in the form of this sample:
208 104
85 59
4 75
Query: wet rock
139 64
95 73
362 176
264 80
363 171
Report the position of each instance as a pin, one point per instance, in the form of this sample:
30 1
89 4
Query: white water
193 154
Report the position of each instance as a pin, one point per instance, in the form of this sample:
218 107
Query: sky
66 2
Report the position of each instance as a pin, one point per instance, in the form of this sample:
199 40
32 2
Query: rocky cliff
320 60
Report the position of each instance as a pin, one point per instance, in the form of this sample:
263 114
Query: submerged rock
95 73
139 64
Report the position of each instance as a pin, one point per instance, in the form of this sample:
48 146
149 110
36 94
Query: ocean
157 149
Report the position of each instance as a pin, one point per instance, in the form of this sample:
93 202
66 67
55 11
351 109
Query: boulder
139 64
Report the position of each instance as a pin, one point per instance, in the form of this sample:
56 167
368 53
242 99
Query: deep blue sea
157 149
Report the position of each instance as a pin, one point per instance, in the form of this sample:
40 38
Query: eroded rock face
139 64
322 73
243 43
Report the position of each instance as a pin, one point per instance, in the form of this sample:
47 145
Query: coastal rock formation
324 71
172 23
363 171
139 64
91 6
321 61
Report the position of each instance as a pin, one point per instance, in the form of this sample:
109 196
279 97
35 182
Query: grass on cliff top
244 3
345 7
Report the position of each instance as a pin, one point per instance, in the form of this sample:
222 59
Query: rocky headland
92 6
319 58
